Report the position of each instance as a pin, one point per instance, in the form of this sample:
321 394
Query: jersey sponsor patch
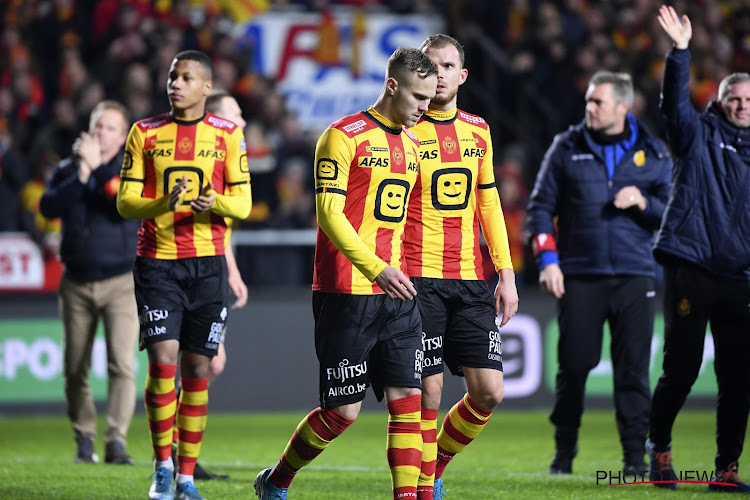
355 127
221 123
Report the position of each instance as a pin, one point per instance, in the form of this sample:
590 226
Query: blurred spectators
530 59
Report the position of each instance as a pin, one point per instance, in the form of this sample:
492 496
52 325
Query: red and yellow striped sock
462 424
160 401
314 433
429 454
192 414
404 445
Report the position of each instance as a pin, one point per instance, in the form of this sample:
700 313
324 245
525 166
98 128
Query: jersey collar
383 122
186 122
436 116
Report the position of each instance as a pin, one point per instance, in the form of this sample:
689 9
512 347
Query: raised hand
679 30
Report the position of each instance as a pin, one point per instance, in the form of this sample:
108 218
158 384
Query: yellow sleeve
237 200
130 202
491 213
333 156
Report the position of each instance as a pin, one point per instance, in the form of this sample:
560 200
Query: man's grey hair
731 80
622 85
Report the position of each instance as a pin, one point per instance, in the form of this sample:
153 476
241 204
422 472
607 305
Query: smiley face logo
451 188
127 161
390 202
327 169
173 176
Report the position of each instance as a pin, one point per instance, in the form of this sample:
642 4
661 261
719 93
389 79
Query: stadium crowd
530 62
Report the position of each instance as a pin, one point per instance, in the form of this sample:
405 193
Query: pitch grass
508 461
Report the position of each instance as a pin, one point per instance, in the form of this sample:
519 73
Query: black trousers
627 304
693 298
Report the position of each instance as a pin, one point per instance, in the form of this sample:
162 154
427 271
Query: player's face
450 75
187 88
736 104
603 113
412 99
110 129
230 110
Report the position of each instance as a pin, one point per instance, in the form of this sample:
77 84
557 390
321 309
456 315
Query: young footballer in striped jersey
454 194
367 327
183 173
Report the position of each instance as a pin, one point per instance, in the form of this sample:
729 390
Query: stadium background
295 67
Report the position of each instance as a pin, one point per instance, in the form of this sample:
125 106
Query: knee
432 388
488 399
216 367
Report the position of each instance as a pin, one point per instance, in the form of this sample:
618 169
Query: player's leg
218 363
159 300
120 317
344 335
397 368
473 349
205 282
216 368
79 318
433 313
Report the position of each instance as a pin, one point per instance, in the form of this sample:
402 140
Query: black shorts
184 300
459 325
362 340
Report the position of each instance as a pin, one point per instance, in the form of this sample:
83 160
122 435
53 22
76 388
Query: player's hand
395 284
506 295
238 288
178 193
205 201
552 281
630 196
679 30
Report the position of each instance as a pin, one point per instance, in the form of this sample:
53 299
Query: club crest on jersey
449 145
185 145
639 158
398 155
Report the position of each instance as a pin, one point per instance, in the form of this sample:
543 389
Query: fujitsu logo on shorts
344 372
153 315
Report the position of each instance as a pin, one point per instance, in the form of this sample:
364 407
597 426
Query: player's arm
333 155
492 220
236 284
130 202
490 213
236 201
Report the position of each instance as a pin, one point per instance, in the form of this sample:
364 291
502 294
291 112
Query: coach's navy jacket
575 185
707 221
97 243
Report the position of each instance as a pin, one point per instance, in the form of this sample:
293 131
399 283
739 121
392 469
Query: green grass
509 460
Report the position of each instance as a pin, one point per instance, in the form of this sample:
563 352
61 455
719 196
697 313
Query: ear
207 87
463 75
391 86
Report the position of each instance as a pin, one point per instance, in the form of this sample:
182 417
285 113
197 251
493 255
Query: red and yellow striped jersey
454 193
158 153
365 168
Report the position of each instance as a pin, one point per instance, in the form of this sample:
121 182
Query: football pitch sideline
509 460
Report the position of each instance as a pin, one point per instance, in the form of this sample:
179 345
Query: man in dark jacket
98 250
606 180
704 245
